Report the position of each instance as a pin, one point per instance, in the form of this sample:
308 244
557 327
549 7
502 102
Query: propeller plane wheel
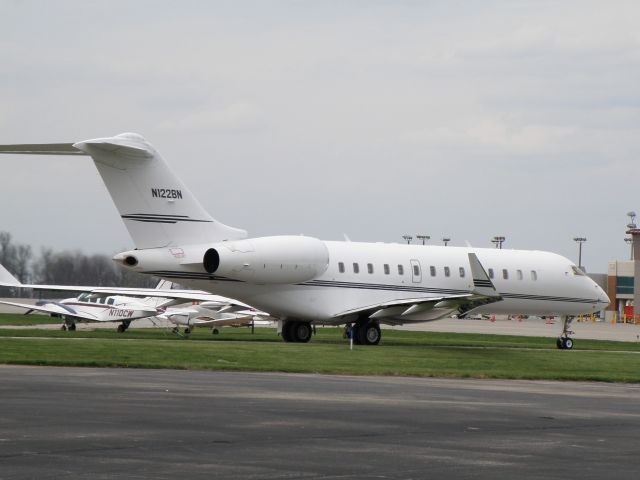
72 327
187 331
121 328
64 327
175 330
568 344
215 331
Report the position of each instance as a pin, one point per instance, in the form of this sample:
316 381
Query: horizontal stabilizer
42 149
126 144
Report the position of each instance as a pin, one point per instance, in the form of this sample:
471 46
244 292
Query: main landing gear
366 332
564 342
68 325
296 331
123 326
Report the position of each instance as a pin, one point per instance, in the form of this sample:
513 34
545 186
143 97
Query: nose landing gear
564 342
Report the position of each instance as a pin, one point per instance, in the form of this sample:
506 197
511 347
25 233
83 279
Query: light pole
445 240
408 238
498 240
423 238
580 241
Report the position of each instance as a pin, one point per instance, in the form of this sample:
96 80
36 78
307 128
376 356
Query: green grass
401 353
21 320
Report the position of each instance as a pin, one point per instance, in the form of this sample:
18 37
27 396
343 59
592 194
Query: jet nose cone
603 298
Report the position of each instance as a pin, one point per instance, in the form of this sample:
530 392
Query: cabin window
519 274
505 274
461 270
102 299
93 299
416 271
447 272
491 273
356 268
534 275
432 269
110 301
400 270
341 267
387 270
370 267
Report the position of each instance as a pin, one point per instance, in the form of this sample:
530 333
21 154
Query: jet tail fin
156 207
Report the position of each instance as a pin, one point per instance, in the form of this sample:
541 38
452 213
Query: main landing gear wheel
187 331
366 333
215 331
296 331
302 332
72 327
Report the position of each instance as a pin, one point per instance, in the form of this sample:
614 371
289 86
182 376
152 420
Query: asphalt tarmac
161 424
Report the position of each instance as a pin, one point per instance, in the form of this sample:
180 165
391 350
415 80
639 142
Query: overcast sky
371 118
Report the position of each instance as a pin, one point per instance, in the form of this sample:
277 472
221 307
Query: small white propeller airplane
214 315
114 304
305 281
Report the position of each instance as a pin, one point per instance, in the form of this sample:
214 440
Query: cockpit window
83 297
577 271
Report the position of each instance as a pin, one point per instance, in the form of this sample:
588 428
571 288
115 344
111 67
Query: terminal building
620 288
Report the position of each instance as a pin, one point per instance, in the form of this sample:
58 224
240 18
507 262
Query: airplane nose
603 298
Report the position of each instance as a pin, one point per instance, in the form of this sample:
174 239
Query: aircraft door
416 271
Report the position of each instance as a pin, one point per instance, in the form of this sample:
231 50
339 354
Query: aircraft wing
53 308
186 295
410 309
8 280
432 308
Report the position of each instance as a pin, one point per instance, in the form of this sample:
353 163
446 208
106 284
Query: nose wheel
564 341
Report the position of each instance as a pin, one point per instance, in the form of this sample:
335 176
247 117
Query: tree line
63 268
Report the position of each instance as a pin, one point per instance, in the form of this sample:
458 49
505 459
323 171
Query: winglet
482 285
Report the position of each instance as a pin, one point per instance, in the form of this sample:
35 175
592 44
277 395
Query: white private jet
114 304
305 281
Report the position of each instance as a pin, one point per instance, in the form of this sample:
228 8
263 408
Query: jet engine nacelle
282 259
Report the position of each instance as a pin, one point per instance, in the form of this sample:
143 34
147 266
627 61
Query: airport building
620 288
